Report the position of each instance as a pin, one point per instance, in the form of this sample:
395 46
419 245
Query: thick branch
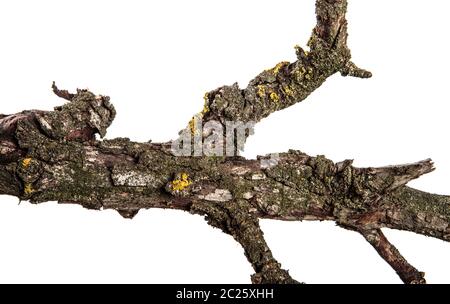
43 160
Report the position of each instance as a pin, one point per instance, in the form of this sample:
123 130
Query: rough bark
287 83
55 156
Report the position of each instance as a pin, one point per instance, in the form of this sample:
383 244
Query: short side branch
407 273
236 220
62 93
350 69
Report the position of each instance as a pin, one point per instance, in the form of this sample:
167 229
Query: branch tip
350 69
62 93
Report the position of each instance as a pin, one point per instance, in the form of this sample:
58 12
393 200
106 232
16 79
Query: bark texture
55 156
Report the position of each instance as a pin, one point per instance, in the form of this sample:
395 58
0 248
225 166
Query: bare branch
54 156
40 162
287 83
392 256
236 219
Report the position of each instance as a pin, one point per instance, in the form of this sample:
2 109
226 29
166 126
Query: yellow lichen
304 73
28 189
261 91
192 125
288 91
274 97
181 182
26 162
308 76
205 109
194 122
205 106
279 66
301 51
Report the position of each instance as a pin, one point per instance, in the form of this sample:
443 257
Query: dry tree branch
391 255
54 156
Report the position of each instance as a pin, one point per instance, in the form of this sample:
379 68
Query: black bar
204 293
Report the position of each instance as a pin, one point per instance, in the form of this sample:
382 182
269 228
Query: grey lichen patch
44 124
219 195
95 120
102 114
248 195
135 178
258 176
240 170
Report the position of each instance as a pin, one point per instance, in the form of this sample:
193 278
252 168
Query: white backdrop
156 59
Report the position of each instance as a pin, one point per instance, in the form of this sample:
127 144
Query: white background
156 60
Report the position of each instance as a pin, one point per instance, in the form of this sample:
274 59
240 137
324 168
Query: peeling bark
55 156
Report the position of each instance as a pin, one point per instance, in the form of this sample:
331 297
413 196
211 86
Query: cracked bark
55 156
